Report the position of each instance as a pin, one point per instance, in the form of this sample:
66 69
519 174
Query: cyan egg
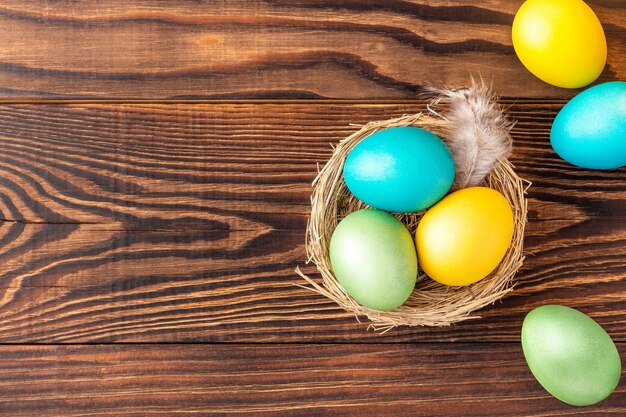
400 169
374 259
590 130
570 354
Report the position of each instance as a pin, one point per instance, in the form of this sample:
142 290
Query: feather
476 131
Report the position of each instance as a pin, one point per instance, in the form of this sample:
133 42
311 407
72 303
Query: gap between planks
320 102
620 343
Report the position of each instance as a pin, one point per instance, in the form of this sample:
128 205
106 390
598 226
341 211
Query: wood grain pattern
184 223
179 222
280 380
150 49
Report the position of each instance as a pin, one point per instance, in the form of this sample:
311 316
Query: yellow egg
463 238
560 41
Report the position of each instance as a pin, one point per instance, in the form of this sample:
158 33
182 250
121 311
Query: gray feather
478 133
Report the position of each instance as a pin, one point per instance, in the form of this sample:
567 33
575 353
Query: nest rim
430 303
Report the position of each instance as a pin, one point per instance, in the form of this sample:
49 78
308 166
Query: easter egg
590 131
401 169
560 41
463 238
373 257
571 356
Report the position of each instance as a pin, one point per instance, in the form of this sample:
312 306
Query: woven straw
431 303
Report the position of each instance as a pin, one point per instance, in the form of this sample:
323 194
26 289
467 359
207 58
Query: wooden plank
280 380
150 49
161 223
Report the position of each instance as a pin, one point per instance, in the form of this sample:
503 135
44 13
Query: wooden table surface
155 175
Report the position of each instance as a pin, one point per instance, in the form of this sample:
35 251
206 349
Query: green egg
571 356
374 259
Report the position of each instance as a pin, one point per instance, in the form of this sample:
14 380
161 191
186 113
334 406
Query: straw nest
477 132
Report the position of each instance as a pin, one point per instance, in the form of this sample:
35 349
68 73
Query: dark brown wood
179 219
150 49
280 380
184 223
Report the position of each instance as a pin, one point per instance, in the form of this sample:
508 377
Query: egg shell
560 41
590 130
570 354
400 169
464 237
373 257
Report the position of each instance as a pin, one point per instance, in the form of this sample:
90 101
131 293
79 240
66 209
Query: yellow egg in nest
463 238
